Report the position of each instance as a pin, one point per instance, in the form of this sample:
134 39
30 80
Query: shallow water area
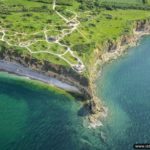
125 88
35 117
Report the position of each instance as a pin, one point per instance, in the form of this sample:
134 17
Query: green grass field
124 1
24 22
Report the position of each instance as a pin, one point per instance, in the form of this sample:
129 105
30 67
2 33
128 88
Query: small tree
144 1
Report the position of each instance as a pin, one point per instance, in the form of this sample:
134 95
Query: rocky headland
75 83
112 49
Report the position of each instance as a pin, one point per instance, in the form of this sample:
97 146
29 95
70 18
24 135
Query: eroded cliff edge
110 50
61 73
93 108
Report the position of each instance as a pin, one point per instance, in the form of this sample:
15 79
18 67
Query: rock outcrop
112 49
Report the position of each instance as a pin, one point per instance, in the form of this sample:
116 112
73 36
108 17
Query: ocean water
125 89
35 117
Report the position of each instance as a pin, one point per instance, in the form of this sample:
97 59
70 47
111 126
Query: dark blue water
125 89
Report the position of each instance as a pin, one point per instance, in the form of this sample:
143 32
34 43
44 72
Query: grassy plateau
35 27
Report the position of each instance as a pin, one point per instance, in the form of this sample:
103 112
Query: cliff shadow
85 110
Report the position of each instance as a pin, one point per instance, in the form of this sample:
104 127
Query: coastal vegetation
70 40
66 39
26 22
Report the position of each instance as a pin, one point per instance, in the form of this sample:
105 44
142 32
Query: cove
124 88
33 117
36 117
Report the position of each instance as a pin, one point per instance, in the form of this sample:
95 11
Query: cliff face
111 50
143 25
59 72
140 26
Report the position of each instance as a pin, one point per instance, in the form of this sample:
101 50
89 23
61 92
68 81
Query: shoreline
73 83
95 120
32 83
19 70
109 56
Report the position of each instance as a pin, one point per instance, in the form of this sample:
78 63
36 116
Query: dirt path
72 26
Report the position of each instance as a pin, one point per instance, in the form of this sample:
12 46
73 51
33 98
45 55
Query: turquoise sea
125 89
34 117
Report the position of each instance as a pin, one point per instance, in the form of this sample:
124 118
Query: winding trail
72 24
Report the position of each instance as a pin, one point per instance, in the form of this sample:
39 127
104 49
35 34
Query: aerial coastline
17 69
74 74
69 47
98 111
139 31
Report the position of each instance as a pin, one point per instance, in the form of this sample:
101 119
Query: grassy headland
24 22
72 34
